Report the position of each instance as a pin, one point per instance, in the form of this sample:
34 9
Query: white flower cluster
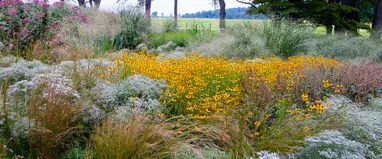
267 155
334 145
50 84
136 91
22 70
365 125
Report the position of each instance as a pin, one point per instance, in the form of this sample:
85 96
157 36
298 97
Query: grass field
210 24
213 24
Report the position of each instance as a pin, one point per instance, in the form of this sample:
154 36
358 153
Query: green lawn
213 24
210 24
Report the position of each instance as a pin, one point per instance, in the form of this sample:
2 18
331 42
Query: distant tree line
231 13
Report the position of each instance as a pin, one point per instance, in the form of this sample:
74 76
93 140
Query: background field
213 24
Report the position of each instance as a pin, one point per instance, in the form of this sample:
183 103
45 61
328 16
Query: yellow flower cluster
317 106
200 86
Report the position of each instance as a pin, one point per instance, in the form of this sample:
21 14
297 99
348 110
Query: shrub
40 113
136 91
246 44
346 47
364 125
134 30
333 144
181 39
362 81
23 25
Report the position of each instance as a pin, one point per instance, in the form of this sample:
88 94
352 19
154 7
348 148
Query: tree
81 3
377 22
222 14
176 14
147 4
96 2
343 14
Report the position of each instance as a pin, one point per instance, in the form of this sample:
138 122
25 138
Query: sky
167 6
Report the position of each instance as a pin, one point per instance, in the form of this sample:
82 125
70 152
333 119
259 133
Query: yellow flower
257 123
188 96
257 133
337 91
306 129
110 69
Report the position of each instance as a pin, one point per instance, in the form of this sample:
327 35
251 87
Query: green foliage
179 38
134 28
75 152
343 17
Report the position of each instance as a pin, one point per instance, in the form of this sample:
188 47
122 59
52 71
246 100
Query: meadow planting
122 96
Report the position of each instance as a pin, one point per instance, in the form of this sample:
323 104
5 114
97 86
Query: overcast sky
167 6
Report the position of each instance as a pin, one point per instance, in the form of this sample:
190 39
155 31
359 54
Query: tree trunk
222 16
148 10
91 3
377 22
81 3
97 3
176 14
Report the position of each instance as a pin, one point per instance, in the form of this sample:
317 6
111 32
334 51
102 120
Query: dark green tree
342 14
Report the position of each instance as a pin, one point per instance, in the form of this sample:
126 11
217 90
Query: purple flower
43 5
11 46
59 4
24 32
36 1
39 15
27 20
13 11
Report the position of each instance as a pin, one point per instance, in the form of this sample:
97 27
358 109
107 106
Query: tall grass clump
134 30
86 39
285 39
279 38
137 137
246 43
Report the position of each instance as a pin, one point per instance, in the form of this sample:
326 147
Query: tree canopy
343 14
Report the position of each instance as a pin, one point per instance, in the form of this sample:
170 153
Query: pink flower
15 34
83 18
59 4
2 27
44 5
11 46
75 10
27 20
24 32
39 15
13 11
36 1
